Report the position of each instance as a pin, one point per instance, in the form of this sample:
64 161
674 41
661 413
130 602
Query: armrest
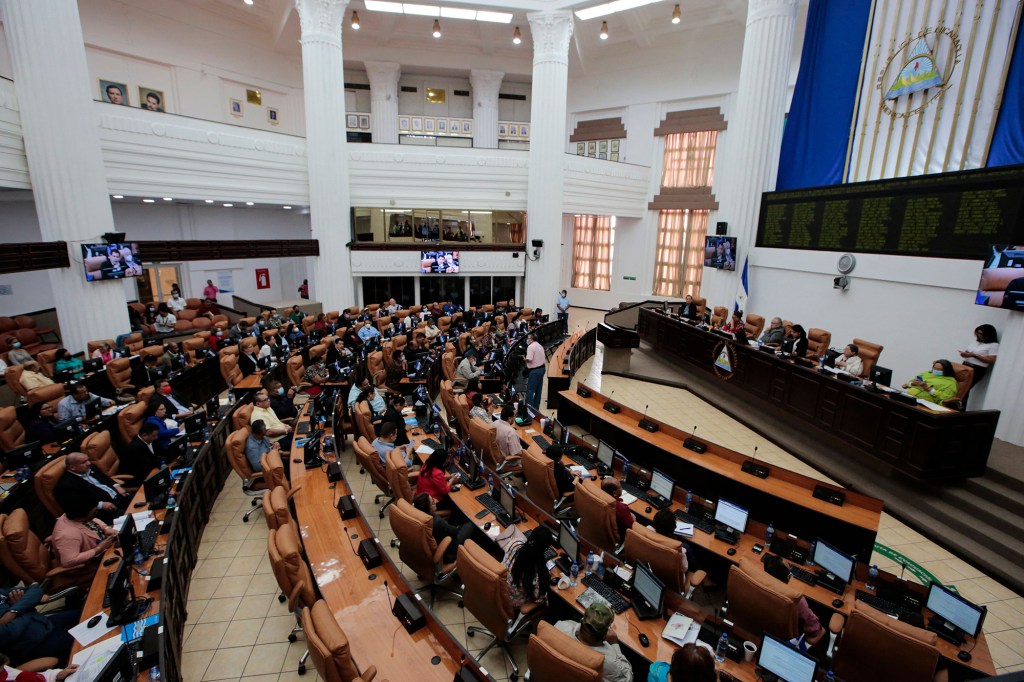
441 547
368 674
696 578
291 493
835 625
293 598
123 478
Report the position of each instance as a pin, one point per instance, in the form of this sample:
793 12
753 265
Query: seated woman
693 662
79 537
664 522
156 414
935 386
41 420
794 345
398 368
810 627
850 361
527 569
735 323
68 363
434 481
15 675
104 353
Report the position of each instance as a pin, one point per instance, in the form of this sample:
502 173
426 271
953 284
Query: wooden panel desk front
913 440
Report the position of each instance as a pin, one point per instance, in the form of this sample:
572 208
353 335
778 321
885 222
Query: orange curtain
516 233
592 252
679 260
689 159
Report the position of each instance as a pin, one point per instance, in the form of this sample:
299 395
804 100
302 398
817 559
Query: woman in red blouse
736 323
434 481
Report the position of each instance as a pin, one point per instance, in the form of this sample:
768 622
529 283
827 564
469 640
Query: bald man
84 482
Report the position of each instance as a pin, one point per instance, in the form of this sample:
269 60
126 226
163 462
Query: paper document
681 629
628 499
87 635
684 529
581 472
90 661
424 449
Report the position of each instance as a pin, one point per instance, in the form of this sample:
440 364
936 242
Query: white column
69 184
755 134
1006 383
551 32
384 100
323 78
486 85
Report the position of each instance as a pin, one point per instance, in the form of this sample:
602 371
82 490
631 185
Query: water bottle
872 577
231 397
137 557
154 673
590 562
810 552
171 502
769 534
830 676
574 573
689 500
600 566
722 648
821 362
625 469
490 483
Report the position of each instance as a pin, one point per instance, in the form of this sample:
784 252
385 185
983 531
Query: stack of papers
91 661
142 519
684 529
628 499
681 629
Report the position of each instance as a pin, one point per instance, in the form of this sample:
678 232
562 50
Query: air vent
357 86
460 93
409 88
518 98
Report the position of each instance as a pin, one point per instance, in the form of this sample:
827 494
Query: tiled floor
237 629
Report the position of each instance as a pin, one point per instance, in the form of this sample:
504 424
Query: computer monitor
26 454
176 448
122 593
311 450
65 431
507 500
787 663
195 424
568 541
92 365
955 610
832 560
731 515
118 667
556 431
93 407
127 538
648 586
662 484
605 454
158 484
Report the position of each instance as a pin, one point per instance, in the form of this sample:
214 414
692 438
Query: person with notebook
623 516
693 662
595 631
78 537
812 633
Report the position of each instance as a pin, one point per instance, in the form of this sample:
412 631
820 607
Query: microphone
609 406
391 604
352 544
692 443
753 468
645 423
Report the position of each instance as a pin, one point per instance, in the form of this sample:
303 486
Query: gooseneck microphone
753 468
391 604
645 423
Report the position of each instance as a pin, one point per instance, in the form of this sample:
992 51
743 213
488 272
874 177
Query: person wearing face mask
176 408
17 355
281 401
247 361
316 374
562 306
263 412
176 302
935 386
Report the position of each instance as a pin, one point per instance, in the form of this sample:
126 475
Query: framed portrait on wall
603 147
454 127
581 148
428 125
273 117
417 124
467 127
352 121
502 130
113 92
615 145
614 156
442 125
524 130
403 123
151 99
592 149
235 106
364 122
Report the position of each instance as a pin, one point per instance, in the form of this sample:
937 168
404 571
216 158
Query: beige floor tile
236 531
205 636
228 664
254 606
233 586
194 664
276 629
203 588
266 658
241 633
245 565
292 676
218 610
273 677
262 583
212 568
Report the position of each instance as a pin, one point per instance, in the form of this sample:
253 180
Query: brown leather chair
242 416
369 461
134 343
229 369
275 508
98 448
818 341
44 482
719 316
597 516
203 323
52 394
383 322
296 370
448 367
273 472
12 434
47 360
869 353
444 323
293 577
758 602
31 342
375 366
29 322
156 350
248 344
96 344
539 470
144 394
119 371
329 647
663 555
418 549
193 303
362 416
873 642
754 325
186 315
399 477
31 561
253 484
12 375
129 421
182 326
554 655
485 440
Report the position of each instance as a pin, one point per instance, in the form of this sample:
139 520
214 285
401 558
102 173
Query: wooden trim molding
599 129
435 246
166 251
678 198
26 256
692 121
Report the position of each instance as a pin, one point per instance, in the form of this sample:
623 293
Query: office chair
485 440
98 448
869 353
242 416
754 325
871 642
487 597
419 551
758 602
818 341
129 421
272 467
144 394
363 420
369 462
229 368
329 647
399 477
644 544
52 394
541 488
12 433
45 481
30 560
596 509
554 655
119 372
253 484
275 508
293 578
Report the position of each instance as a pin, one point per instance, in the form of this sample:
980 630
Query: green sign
628 278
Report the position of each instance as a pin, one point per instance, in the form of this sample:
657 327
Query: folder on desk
681 629
628 499
684 529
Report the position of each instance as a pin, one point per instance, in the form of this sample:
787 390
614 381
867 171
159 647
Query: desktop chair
144 394
369 461
719 315
485 439
275 508
871 642
596 509
12 376
119 372
645 545
754 325
758 602
554 655
98 448
869 353
47 360
29 559
45 481
296 370
329 647
273 472
253 483
486 596
52 394
229 368
129 421
541 488
818 341
399 478
419 551
242 416
375 366
12 434
362 416
964 375
293 578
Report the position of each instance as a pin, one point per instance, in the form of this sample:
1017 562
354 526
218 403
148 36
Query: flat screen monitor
65 431
556 431
439 262
605 454
118 667
122 592
832 560
111 261
25 454
648 586
662 484
1002 279
790 665
157 484
176 448
955 609
568 541
127 538
507 500
720 252
195 424
731 515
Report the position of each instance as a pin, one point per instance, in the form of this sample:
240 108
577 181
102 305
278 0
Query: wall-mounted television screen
1002 279
720 252
111 261
443 262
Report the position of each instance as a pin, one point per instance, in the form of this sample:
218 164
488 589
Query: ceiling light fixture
119 196
248 2
228 205
209 201
517 37
149 201
168 199
355 20
604 30
611 8
445 12
437 28
676 18
249 203
287 208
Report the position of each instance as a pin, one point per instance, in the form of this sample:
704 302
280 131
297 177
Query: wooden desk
853 421
566 359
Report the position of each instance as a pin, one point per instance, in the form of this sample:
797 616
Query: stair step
997 549
1008 480
995 493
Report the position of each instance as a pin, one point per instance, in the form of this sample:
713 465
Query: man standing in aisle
534 371
562 306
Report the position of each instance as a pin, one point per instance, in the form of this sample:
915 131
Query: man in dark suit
82 481
27 634
688 309
141 457
177 408
281 401
146 372
393 414
247 362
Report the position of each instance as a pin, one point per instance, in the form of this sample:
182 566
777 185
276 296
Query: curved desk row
566 360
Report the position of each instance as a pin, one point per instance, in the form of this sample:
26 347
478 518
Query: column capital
486 85
551 32
764 9
321 19
383 78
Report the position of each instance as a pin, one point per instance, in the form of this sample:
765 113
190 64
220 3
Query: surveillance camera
536 254
538 243
841 283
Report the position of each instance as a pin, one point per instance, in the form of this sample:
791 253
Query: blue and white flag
744 290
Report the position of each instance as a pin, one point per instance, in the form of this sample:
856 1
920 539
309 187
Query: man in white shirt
261 411
467 371
176 303
850 361
562 306
535 371
31 377
595 631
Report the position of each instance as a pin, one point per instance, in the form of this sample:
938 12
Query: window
689 159
380 289
437 288
592 252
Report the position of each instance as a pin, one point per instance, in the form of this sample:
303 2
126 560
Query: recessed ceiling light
287 208
168 199
611 8
209 201
495 17
676 15
355 20
454 13
149 201
119 196
248 2
604 30
517 37
248 203
437 28
228 205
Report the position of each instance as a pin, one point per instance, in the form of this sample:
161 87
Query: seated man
73 406
623 516
176 408
688 309
774 334
146 373
467 372
262 411
385 443
281 401
850 361
394 415
239 331
26 634
370 336
82 481
442 528
595 631
257 444
565 481
377 403
664 523
141 457
79 538
509 447
31 377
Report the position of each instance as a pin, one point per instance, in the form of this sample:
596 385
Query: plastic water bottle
590 562
625 469
769 534
574 573
599 568
689 500
722 648
137 557
821 362
810 552
872 578
231 397
490 483
171 502
830 676
154 673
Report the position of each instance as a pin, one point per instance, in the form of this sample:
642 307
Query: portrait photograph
428 125
592 148
513 131
403 123
467 127
524 130
615 156
615 145
235 107
272 116
502 130
112 92
364 122
442 125
152 99
417 124
352 121
581 148
603 147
